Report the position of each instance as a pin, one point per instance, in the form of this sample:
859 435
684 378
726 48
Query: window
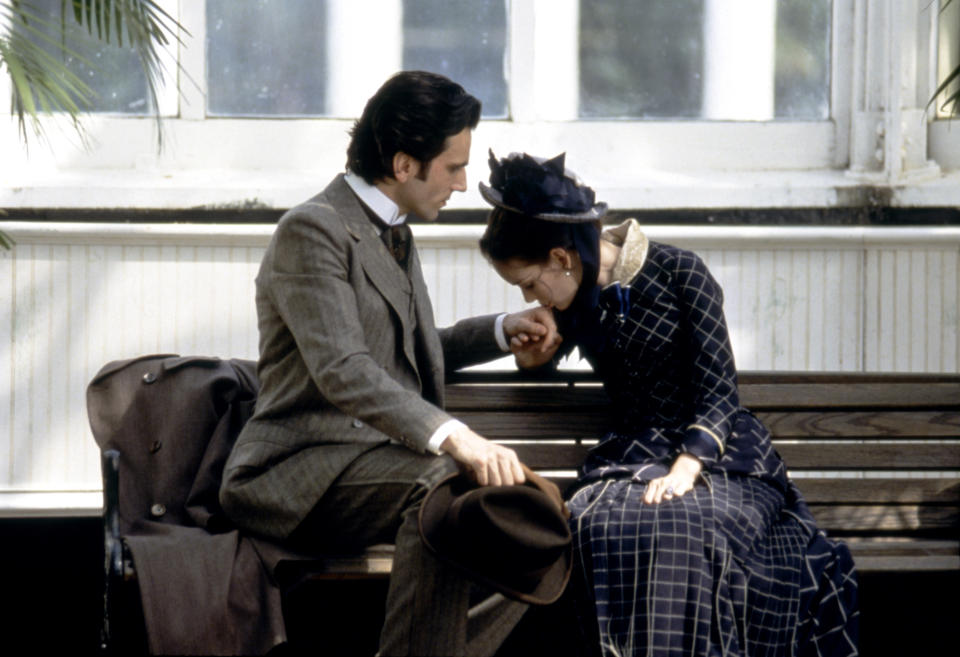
466 41
667 59
294 59
661 103
266 59
691 59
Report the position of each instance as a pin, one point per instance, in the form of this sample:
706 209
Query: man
349 431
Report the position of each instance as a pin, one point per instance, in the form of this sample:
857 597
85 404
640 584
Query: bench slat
862 424
799 455
869 456
500 398
574 422
841 518
758 396
798 376
497 425
872 492
850 395
880 490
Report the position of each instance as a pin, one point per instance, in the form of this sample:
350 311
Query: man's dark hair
413 112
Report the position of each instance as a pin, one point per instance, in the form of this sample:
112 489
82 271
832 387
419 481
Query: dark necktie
397 240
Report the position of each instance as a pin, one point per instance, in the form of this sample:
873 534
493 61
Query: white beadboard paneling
917 294
846 293
75 296
82 463
903 321
58 357
911 309
462 280
950 358
743 308
816 315
935 310
168 328
8 282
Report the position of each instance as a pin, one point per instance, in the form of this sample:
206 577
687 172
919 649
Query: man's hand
488 463
533 336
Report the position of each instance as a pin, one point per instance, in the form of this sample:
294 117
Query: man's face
424 195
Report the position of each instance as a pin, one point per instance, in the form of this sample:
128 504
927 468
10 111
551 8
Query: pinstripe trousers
432 608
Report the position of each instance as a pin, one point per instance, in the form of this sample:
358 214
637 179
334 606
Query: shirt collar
381 204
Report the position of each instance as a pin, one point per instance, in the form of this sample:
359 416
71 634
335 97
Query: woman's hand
533 336
680 480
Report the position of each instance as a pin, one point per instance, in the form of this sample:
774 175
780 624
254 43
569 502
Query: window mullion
544 60
521 19
361 52
192 74
556 67
842 78
739 73
888 135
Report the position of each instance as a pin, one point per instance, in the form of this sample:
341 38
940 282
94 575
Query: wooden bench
877 457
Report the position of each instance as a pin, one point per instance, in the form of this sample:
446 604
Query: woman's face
553 284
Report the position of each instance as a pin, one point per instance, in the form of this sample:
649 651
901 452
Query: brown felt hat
515 539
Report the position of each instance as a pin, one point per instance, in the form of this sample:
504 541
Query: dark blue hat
543 189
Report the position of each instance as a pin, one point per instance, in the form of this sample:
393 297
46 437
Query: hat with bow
540 188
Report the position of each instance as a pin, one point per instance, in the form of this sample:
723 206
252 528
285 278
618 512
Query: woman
690 537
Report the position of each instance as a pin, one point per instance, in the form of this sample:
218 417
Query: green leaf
43 83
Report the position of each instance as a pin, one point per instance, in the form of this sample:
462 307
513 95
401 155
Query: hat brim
550 585
494 197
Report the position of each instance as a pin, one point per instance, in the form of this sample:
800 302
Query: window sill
235 190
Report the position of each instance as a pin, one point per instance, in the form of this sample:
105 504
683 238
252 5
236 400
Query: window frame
274 163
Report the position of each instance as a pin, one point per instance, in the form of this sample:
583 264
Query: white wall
75 296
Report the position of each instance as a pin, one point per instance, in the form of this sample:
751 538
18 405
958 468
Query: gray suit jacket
349 359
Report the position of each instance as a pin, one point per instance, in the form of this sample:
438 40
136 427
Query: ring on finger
669 490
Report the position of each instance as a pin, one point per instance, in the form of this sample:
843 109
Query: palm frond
41 82
35 60
951 103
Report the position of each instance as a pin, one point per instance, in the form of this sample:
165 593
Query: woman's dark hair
413 112
513 235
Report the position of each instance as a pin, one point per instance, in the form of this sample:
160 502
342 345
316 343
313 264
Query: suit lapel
431 378
377 262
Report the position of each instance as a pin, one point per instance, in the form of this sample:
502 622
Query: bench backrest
874 454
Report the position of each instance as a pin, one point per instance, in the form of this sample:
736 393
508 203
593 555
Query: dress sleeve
713 372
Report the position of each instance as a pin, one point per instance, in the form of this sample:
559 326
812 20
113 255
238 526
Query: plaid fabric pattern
734 567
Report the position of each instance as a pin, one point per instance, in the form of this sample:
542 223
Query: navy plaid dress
734 567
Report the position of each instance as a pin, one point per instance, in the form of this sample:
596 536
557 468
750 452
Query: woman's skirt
721 570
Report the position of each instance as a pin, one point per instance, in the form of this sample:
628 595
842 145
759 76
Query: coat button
149 377
157 510
357 424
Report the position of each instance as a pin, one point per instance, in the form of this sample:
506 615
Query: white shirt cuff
498 333
441 434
